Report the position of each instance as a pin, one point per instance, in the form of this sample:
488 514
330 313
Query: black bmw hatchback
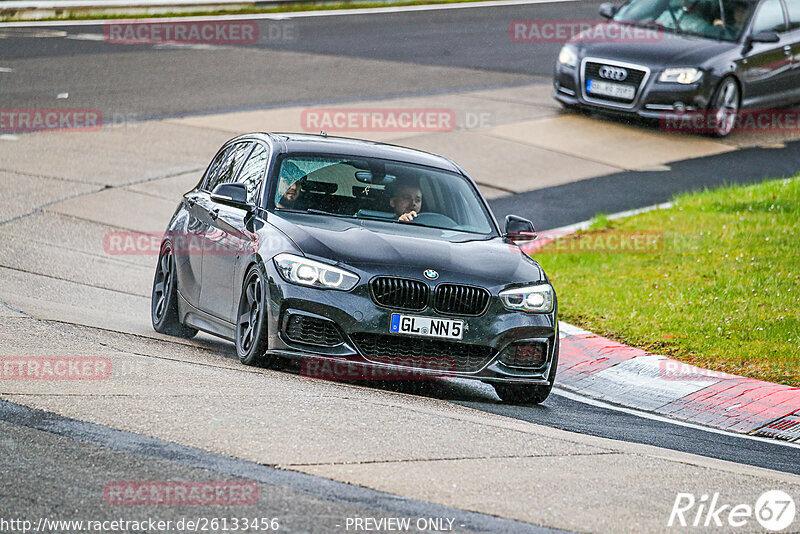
708 58
363 255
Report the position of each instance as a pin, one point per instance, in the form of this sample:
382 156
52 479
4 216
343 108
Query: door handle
787 49
214 214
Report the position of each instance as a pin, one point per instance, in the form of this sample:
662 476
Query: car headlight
307 272
683 76
537 299
568 56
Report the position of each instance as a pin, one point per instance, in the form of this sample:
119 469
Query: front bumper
653 99
355 314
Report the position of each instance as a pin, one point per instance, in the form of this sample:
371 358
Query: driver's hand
407 217
717 22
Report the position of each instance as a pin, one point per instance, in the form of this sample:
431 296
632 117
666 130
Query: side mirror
232 195
607 10
519 229
765 37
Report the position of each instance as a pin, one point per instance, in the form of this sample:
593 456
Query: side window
253 172
794 14
229 167
213 169
770 18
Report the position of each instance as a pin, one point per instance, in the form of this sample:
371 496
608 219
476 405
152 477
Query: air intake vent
400 293
422 353
312 331
460 300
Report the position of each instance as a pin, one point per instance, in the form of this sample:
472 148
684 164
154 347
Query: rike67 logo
774 510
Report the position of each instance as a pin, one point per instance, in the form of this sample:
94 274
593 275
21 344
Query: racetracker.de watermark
123 243
26 120
200 32
600 242
378 120
55 368
748 121
683 372
425 368
589 31
181 493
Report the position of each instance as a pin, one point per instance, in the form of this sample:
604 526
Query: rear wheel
251 324
526 394
164 301
725 107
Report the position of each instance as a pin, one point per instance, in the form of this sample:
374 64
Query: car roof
324 144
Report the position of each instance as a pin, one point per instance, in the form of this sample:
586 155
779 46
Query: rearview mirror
519 229
765 37
607 10
232 195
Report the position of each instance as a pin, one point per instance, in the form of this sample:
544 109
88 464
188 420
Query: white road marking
6 69
62 96
653 417
87 37
291 15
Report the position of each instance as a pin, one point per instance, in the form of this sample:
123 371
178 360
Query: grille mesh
313 331
460 300
634 79
400 293
422 353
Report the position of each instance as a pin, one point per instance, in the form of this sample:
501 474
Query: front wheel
724 107
251 324
164 300
527 394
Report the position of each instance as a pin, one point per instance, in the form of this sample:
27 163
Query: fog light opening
526 354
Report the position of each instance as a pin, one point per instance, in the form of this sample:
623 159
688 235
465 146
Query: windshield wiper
313 211
647 24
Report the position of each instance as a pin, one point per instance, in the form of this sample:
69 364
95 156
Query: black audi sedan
363 255
707 58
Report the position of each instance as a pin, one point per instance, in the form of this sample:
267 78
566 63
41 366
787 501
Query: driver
290 187
406 200
738 17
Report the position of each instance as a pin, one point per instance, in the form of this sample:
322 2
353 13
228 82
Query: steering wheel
435 219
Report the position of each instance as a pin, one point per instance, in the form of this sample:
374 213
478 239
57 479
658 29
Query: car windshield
714 19
375 189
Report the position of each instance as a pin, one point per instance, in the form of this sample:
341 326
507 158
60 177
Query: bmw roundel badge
430 274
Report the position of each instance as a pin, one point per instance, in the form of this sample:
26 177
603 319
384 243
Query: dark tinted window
252 174
769 17
229 167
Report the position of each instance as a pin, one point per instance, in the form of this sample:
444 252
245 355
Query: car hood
656 49
369 245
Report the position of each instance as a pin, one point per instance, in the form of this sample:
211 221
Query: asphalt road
324 59
333 59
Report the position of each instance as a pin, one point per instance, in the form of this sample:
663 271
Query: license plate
617 90
427 326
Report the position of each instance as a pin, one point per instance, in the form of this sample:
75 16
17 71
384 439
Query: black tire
252 338
525 394
164 299
725 107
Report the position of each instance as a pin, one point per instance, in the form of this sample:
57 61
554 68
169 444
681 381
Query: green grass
285 8
723 292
